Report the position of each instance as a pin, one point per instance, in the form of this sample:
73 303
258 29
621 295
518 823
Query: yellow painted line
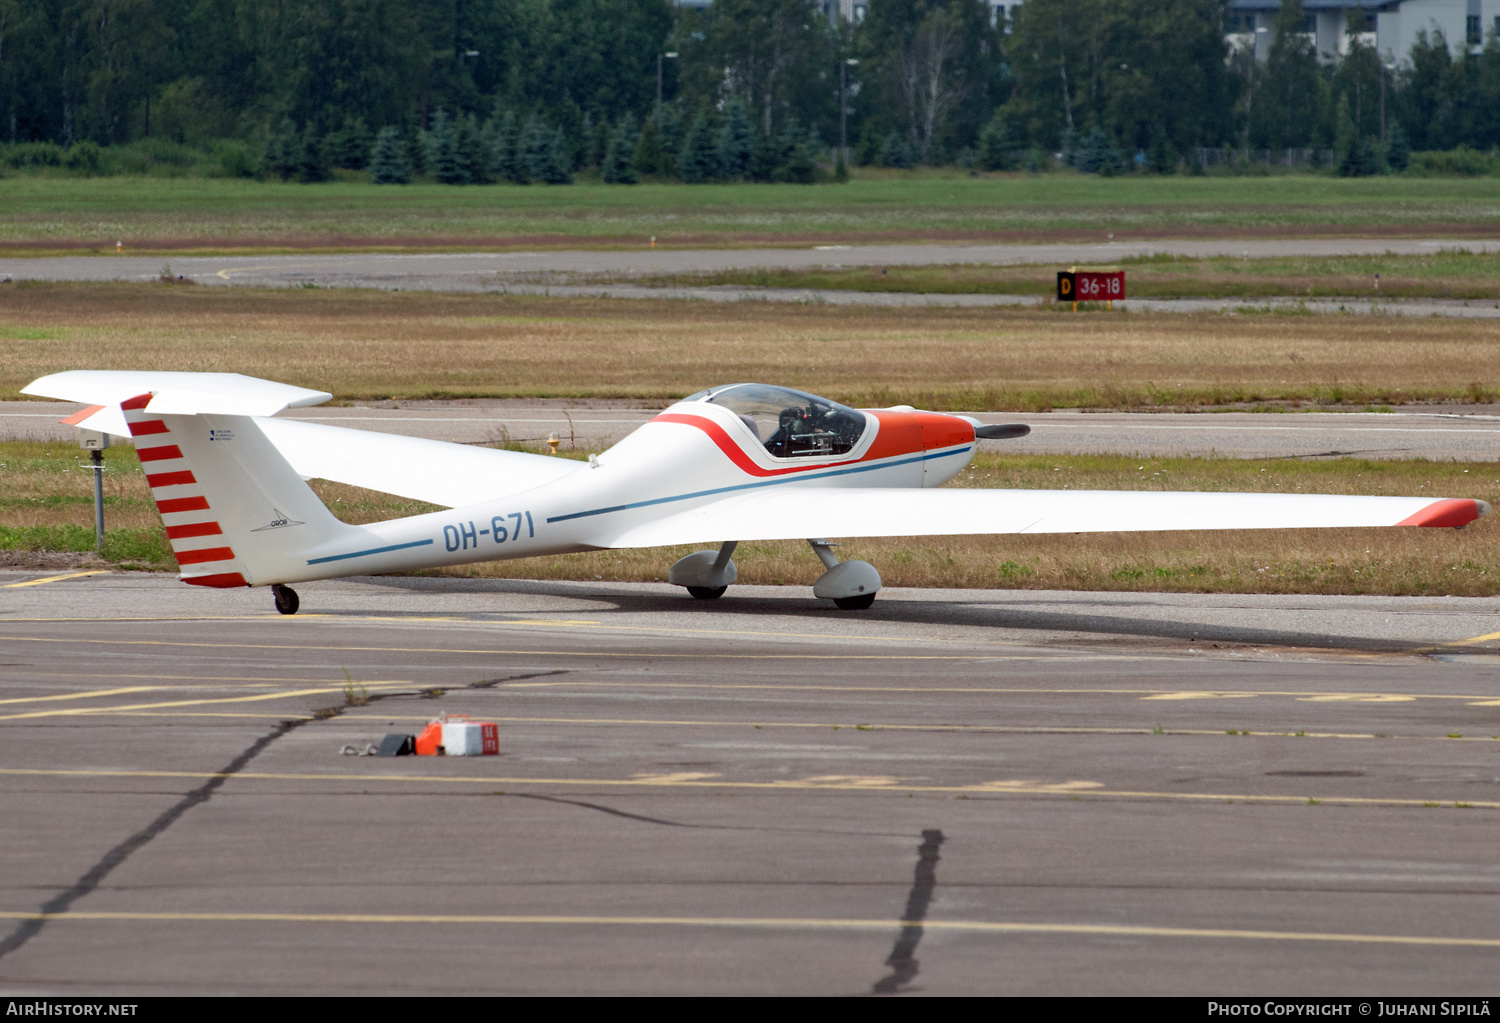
263 715
875 726
1475 639
993 788
657 655
1001 690
92 711
246 681
771 923
82 696
55 579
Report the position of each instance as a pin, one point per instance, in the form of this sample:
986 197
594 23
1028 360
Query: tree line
536 90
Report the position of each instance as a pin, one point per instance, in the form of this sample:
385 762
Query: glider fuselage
689 455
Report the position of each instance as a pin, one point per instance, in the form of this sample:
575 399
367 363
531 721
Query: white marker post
95 442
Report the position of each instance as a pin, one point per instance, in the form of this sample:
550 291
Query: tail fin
236 513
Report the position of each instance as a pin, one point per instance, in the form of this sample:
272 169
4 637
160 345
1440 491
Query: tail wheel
858 603
707 592
286 599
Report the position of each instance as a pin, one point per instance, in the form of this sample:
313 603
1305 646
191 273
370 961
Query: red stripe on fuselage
147 428
158 454
900 434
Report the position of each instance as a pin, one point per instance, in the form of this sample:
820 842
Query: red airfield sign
1090 285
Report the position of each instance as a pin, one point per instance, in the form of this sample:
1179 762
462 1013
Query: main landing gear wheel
858 603
286 599
707 592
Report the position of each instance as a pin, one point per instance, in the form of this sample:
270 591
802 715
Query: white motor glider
725 465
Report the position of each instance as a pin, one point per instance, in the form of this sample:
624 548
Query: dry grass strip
375 344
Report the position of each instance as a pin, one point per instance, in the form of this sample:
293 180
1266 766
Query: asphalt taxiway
955 792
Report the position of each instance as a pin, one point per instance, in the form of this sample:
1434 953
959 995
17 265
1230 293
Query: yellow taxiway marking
1157 694
1073 789
95 711
245 681
54 579
1474 639
654 654
771 923
876 726
82 696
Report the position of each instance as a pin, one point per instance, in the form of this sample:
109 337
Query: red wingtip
139 401
1450 511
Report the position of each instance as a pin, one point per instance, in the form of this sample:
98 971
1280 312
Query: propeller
1001 431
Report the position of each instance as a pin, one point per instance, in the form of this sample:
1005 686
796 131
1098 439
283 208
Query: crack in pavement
96 874
903 960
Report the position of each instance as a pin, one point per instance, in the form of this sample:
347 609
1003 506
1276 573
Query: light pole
659 56
847 62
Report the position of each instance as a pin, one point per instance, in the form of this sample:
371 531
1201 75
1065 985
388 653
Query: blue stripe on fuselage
755 486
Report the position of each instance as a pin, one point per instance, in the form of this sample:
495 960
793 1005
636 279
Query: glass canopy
791 424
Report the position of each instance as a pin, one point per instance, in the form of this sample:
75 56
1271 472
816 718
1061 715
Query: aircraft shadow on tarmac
891 608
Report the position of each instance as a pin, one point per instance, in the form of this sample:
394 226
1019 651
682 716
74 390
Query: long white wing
435 471
796 512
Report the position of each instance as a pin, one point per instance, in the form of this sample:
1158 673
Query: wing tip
1449 512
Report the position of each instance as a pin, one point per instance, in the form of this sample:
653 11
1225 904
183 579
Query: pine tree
557 165
670 131
1093 154
504 154
536 149
1345 140
896 152
468 149
736 141
312 164
621 155
999 142
389 164
442 145
765 158
349 146
1397 148
283 152
1161 155
801 168
699 161
599 136
416 146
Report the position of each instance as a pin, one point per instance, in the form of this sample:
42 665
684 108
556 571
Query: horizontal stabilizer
788 513
230 394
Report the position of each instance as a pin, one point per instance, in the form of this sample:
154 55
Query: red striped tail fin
235 512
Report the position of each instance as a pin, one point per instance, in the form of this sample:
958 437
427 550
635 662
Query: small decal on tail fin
281 521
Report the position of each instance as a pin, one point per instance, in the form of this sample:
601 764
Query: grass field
49 214
47 505
1450 275
363 345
